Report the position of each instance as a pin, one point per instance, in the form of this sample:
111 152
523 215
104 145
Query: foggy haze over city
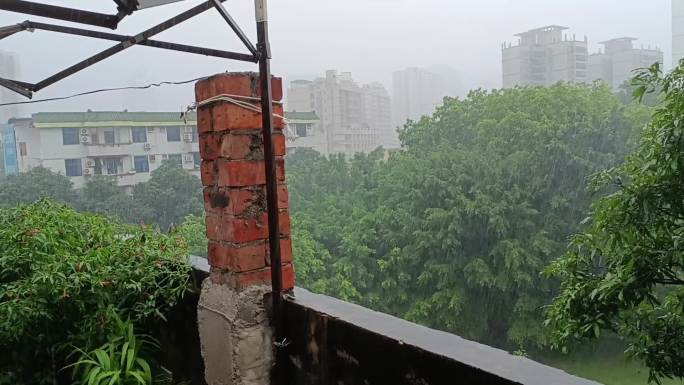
369 38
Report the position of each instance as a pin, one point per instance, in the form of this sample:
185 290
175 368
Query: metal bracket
233 25
125 42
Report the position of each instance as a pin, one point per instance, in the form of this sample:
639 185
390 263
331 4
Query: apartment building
353 118
415 92
544 56
616 62
122 144
304 131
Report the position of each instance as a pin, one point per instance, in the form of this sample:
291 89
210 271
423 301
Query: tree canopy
624 272
454 230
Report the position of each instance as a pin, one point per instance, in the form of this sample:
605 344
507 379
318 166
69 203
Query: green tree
193 230
454 230
169 196
102 194
624 273
36 183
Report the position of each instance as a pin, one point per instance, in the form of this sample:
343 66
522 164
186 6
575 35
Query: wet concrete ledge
338 343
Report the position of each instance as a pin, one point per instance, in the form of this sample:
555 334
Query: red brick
204 120
234 201
242 230
276 88
243 280
279 144
284 222
210 146
213 225
288 277
237 146
239 83
240 173
283 196
237 258
208 173
230 117
280 168
285 251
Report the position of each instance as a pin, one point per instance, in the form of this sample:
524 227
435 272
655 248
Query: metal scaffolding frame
260 54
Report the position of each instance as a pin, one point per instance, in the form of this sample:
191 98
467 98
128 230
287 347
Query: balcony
332 342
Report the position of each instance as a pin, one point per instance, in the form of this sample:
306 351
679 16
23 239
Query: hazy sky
370 38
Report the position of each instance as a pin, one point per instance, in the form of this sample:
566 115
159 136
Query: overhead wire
151 85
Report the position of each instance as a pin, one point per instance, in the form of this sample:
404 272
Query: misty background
370 38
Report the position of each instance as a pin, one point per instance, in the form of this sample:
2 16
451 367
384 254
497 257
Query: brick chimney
233 320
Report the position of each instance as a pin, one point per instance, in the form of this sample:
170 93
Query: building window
176 159
109 137
112 165
142 163
139 134
195 134
73 167
197 158
70 136
173 134
301 130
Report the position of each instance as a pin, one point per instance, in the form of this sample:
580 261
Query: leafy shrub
118 361
65 276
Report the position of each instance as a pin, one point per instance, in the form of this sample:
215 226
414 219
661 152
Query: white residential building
353 118
8 70
126 145
415 92
304 131
616 63
544 56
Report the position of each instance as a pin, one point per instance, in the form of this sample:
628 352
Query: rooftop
547 28
295 115
110 116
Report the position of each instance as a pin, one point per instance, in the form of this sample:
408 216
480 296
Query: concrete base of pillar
235 333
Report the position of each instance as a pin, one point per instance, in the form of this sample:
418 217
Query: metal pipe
137 39
60 13
234 26
264 50
149 42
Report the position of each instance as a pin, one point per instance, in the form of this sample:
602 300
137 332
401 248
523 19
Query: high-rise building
8 70
544 56
353 118
677 31
415 93
616 63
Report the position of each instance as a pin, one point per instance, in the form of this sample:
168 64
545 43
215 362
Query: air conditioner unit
147 146
187 137
86 139
187 129
84 131
188 158
90 163
88 171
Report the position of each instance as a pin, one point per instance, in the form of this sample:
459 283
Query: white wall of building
677 31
